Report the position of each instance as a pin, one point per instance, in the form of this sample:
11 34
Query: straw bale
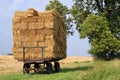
16 20
29 44
17 44
16 32
36 25
29 19
27 32
32 38
29 15
49 24
31 12
36 29
20 14
50 55
16 38
17 49
49 38
45 32
20 26
34 53
39 37
18 54
41 43
40 31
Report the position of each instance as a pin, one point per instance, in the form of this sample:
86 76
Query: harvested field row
10 65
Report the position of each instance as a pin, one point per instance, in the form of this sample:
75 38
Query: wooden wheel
49 68
36 67
57 66
26 68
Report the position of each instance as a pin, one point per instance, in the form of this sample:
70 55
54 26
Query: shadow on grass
63 70
84 68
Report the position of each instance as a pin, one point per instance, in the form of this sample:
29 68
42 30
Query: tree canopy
96 29
99 21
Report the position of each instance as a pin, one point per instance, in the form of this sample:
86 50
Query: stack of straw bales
36 29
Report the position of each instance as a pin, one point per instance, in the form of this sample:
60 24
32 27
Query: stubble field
72 68
9 65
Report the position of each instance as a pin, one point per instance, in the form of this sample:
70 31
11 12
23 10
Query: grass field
73 70
103 70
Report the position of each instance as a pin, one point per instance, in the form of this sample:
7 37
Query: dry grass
9 65
72 59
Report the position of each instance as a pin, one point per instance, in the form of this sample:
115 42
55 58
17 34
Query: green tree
63 11
99 21
102 41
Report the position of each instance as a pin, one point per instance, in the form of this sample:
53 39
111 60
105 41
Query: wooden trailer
39 38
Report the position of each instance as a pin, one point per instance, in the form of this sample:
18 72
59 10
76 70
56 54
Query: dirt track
9 65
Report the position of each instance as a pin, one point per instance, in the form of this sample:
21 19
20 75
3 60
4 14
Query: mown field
86 69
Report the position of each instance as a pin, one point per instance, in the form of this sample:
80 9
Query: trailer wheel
36 67
57 66
49 68
26 68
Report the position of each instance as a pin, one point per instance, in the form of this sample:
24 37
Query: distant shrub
10 54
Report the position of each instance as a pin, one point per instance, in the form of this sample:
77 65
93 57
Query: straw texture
36 29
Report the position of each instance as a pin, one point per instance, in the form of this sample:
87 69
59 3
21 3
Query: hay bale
16 20
36 29
20 14
36 25
32 12
20 26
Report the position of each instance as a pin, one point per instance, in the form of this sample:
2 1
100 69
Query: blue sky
75 45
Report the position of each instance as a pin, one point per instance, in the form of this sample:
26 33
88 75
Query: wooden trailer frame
40 65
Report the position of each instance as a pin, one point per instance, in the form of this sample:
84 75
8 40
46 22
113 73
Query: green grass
97 70
104 70
68 72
